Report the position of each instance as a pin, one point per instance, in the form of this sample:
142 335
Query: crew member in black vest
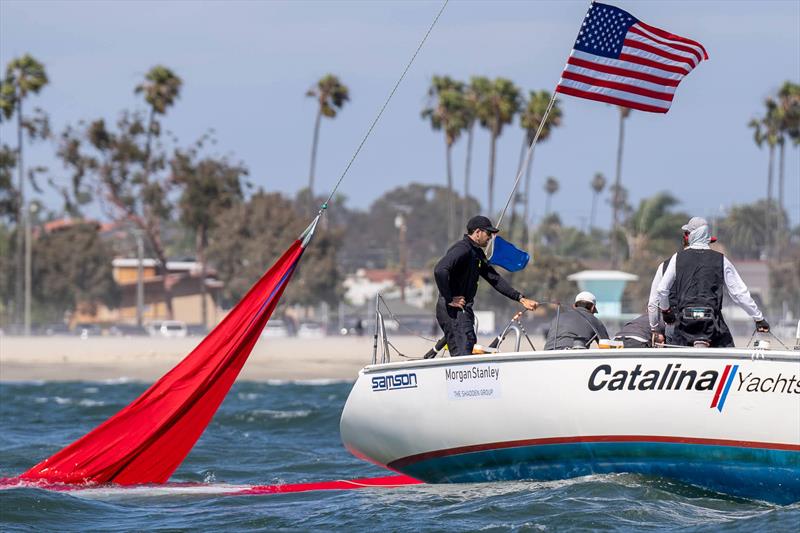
652 302
698 276
456 276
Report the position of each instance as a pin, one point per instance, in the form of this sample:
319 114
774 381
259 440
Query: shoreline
146 359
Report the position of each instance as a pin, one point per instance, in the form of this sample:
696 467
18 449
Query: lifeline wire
324 206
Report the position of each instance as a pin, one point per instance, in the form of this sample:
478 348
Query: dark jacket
639 328
574 324
457 273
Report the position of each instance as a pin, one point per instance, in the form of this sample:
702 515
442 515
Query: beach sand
147 359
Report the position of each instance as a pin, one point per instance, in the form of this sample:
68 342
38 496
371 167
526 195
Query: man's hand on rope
530 305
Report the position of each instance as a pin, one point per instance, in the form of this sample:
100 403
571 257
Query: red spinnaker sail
147 440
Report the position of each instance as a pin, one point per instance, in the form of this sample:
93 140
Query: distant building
184 280
607 286
362 286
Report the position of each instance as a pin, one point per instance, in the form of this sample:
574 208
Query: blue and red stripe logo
724 386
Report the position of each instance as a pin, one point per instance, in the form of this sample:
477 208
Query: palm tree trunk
492 152
200 246
617 182
450 200
780 201
592 213
20 289
314 155
768 209
147 143
465 205
547 204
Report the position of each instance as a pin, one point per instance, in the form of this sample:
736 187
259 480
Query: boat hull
719 419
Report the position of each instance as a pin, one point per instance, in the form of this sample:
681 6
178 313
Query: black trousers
714 331
632 343
458 327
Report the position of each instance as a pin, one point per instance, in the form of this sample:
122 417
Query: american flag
620 60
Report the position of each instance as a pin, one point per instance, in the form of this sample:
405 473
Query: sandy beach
146 359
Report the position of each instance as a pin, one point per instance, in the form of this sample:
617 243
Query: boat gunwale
593 353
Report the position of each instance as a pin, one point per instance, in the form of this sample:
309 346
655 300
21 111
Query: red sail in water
147 440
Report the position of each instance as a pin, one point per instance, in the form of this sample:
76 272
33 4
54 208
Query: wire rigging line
324 206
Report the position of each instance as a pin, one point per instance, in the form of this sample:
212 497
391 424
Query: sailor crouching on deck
697 276
576 327
456 277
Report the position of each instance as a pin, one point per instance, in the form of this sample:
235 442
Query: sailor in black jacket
456 277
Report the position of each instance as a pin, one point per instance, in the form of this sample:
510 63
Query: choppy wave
288 432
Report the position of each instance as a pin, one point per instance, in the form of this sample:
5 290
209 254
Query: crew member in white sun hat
576 327
697 276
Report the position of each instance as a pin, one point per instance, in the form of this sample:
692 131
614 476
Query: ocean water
272 433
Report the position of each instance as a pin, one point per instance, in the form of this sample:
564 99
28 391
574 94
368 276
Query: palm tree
331 95
496 108
598 183
24 75
447 111
767 130
551 187
531 117
789 125
653 220
473 93
624 112
161 87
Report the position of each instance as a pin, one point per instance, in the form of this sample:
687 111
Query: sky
247 65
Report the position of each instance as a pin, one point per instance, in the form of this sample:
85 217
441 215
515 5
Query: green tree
530 120
654 225
24 76
331 95
551 187
743 231
499 102
617 203
208 186
65 279
598 183
250 236
8 194
124 168
447 111
161 87
788 114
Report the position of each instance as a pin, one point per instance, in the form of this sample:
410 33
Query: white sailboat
724 419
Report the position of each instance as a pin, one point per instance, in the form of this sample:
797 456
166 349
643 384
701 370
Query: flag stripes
619 59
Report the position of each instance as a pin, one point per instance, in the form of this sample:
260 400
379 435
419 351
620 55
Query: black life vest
699 280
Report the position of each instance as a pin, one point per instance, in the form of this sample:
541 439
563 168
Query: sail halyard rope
325 205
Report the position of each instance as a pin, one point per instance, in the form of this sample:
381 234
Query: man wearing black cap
456 277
